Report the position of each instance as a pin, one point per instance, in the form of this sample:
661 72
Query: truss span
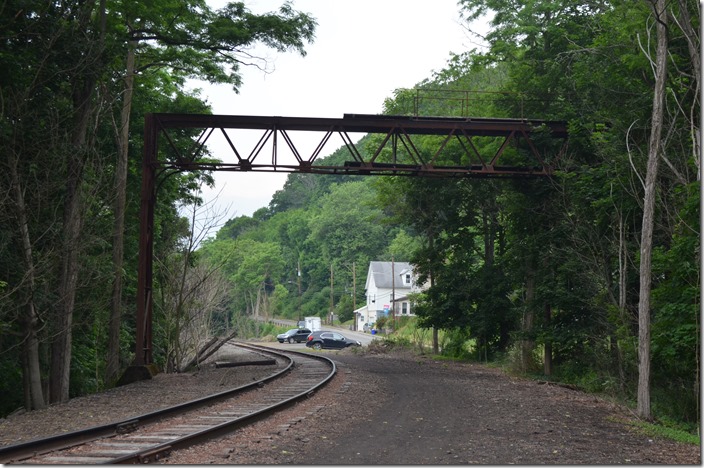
517 147
451 147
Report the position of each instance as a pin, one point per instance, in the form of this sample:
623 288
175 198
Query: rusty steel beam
396 129
360 123
405 159
143 340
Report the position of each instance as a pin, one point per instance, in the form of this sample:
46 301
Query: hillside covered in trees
591 276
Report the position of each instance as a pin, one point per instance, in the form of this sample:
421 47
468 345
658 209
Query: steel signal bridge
449 147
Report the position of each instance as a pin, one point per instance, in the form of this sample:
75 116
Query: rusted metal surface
143 343
395 154
452 151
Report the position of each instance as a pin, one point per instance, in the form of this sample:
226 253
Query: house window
404 308
408 278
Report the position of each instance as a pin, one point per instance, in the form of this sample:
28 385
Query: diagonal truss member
516 148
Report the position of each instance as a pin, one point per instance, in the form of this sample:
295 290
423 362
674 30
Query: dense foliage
542 273
76 79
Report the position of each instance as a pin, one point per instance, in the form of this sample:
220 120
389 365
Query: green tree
190 40
347 226
591 60
403 246
67 81
676 328
48 87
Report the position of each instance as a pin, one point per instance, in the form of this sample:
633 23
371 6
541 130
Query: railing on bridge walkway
468 103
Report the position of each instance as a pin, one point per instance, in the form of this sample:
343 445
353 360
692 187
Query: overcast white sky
363 50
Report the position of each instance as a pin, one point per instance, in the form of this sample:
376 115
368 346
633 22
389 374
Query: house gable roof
380 272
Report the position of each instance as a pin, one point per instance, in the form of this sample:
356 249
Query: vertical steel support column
143 344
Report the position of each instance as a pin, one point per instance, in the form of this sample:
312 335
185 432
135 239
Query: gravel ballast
388 408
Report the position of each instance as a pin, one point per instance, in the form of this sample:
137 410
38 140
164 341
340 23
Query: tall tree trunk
528 319
34 395
83 86
643 407
72 223
547 352
622 296
61 344
113 358
436 341
489 224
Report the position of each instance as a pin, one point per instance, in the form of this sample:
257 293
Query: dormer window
407 278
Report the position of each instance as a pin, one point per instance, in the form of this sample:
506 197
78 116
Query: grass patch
658 430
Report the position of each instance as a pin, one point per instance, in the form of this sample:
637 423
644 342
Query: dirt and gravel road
401 409
387 408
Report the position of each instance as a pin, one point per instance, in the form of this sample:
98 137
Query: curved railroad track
152 436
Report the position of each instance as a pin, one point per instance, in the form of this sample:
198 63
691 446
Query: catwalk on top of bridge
454 149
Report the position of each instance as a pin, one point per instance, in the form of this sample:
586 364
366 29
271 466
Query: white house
387 288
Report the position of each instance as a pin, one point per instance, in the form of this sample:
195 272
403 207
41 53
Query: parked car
367 327
297 335
325 339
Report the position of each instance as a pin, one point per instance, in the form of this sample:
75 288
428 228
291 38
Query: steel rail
61 441
150 451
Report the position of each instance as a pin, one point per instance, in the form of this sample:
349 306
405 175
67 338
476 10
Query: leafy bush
12 379
457 344
398 341
381 322
676 400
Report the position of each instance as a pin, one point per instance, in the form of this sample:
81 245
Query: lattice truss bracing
397 145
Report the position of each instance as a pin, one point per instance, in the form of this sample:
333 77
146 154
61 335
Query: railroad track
152 436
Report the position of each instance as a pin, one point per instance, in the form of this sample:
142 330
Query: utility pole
393 292
299 291
332 301
354 297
